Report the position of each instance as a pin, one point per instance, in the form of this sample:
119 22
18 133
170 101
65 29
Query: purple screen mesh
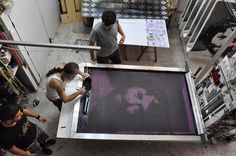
137 102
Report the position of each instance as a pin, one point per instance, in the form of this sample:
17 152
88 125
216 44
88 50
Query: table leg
143 50
155 54
123 48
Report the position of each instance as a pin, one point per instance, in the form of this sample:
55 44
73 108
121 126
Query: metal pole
50 45
217 55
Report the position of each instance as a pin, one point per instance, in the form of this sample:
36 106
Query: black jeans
57 103
39 142
114 57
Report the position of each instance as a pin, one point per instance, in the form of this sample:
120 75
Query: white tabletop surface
142 32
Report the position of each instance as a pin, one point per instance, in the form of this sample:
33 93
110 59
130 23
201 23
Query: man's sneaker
47 151
50 142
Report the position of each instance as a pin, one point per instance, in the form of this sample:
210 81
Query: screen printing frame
68 122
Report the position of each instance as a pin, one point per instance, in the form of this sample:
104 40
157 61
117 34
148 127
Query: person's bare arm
92 53
27 112
120 30
83 74
17 151
60 65
61 92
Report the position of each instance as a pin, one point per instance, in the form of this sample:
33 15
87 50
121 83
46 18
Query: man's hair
108 17
70 68
8 111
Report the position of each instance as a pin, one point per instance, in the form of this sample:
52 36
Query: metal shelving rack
217 101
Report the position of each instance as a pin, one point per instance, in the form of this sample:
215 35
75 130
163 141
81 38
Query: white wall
50 13
25 16
33 21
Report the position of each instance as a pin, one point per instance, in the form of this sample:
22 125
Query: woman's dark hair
69 68
8 111
108 17
54 70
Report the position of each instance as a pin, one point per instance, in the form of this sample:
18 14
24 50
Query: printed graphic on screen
136 9
137 102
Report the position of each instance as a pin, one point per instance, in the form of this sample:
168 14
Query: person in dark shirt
19 136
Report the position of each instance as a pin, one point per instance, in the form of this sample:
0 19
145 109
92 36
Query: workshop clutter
7 4
70 11
217 98
5 56
215 76
2 152
1 9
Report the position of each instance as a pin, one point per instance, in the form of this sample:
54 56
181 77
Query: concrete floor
173 57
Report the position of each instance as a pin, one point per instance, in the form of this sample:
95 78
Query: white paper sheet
157 33
135 31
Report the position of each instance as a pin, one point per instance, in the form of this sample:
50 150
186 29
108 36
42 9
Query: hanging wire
83 58
80 41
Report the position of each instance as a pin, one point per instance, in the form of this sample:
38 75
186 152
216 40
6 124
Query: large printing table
158 105
143 32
